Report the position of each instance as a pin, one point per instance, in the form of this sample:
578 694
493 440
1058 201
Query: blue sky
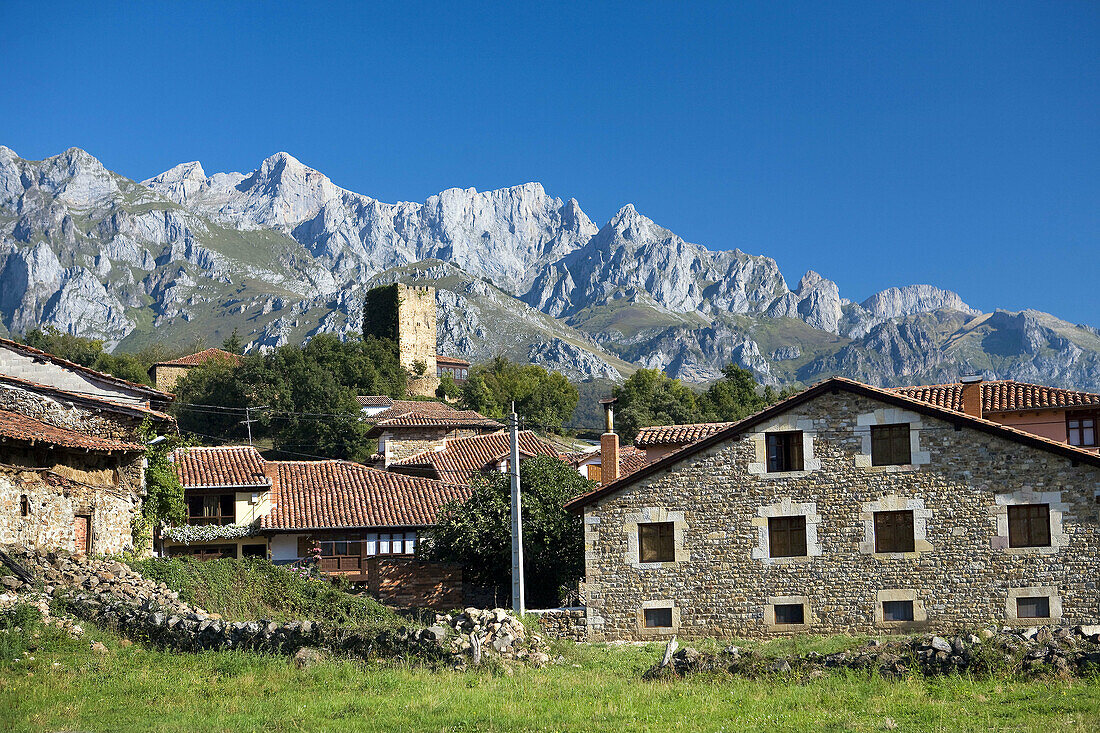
878 143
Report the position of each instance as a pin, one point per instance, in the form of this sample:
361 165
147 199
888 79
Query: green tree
448 388
543 399
651 397
736 395
233 344
309 395
164 502
478 532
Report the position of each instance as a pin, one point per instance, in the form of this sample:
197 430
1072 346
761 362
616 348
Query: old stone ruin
1032 652
110 594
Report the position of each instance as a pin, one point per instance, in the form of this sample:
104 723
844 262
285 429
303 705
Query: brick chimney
972 395
609 444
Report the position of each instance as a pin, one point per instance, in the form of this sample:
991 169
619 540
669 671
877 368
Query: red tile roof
338 494
416 414
375 400
451 361
14 426
138 408
421 407
1003 396
677 434
233 465
203 357
143 389
462 458
630 458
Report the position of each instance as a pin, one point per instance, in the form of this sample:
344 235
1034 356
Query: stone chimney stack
972 395
609 444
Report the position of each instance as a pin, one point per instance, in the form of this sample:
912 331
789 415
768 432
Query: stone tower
406 314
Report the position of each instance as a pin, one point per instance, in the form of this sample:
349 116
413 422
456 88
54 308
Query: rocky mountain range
282 253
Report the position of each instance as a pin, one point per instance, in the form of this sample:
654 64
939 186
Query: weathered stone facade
105 423
961 571
43 507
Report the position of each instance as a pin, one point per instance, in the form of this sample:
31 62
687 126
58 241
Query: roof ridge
69 394
81 368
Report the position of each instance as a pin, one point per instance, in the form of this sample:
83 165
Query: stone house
846 509
458 460
61 489
408 427
71 462
165 374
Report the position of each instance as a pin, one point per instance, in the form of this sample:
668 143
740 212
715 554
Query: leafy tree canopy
543 399
164 494
308 394
650 397
478 532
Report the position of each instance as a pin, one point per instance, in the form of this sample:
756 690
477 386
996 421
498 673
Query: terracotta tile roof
143 389
135 408
1002 396
630 460
451 361
14 426
202 357
423 413
232 465
421 407
462 458
375 400
677 434
332 494
890 396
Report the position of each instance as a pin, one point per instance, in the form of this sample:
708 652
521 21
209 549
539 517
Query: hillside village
840 508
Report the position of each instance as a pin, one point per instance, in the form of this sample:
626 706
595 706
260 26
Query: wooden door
82 531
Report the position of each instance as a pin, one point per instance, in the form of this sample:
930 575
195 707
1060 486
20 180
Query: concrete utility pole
518 604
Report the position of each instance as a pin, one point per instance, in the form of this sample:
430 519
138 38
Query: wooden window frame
1029 525
787 536
784 451
891 445
221 518
1079 417
659 538
890 535
1041 602
648 613
896 605
787 607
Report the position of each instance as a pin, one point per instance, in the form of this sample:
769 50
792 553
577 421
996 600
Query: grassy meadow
49 682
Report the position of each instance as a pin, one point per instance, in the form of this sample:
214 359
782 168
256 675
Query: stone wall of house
409 583
103 424
570 624
407 442
962 572
166 377
38 508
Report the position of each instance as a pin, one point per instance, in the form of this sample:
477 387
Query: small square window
658 618
1033 607
1081 430
784 451
890 445
1029 525
787 536
656 542
897 610
789 613
894 532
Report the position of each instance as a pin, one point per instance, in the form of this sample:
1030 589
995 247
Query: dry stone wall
103 424
960 574
568 624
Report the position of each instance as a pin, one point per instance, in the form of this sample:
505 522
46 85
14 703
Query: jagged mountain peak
191 171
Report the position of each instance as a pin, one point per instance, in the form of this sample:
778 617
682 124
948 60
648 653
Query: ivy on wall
380 312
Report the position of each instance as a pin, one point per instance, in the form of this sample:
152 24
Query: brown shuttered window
890 445
595 473
787 536
656 543
790 613
1029 525
894 531
784 451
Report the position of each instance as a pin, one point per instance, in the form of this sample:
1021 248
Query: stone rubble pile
1032 652
110 594
476 632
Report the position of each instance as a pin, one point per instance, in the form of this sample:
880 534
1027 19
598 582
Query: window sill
792 560
656 565
1025 551
789 628
893 468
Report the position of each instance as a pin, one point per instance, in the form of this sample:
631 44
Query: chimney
972 395
609 444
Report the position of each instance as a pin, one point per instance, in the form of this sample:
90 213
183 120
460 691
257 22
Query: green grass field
61 684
